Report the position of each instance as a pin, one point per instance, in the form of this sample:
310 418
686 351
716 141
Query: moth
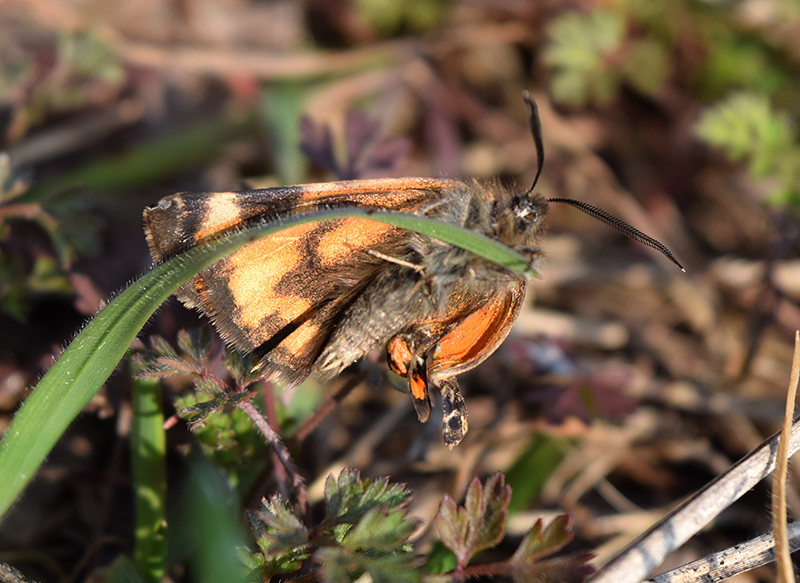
317 297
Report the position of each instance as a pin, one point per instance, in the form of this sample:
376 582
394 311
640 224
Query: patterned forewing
279 296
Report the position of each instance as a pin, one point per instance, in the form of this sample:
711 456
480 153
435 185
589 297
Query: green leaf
540 542
577 49
340 565
527 566
226 436
746 127
349 498
281 538
531 469
380 529
87 54
393 16
479 524
195 343
645 66
242 367
89 360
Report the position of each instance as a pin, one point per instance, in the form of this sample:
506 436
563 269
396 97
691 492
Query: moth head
532 207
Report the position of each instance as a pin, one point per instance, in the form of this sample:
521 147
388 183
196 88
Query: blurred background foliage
678 115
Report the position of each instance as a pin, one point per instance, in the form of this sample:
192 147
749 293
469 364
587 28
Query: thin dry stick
733 561
283 455
325 408
647 552
783 560
278 471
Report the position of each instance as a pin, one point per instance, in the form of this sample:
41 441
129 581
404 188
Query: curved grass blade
94 353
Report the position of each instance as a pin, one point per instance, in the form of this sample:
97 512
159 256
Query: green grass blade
148 468
93 355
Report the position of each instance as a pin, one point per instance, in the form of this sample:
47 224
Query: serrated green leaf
645 66
539 542
210 387
527 566
349 498
199 412
281 537
578 45
380 530
195 343
282 530
479 524
746 127
242 367
161 347
227 437
452 525
340 565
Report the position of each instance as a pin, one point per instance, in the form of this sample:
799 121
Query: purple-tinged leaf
479 524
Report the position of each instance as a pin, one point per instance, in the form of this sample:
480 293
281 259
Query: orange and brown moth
318 296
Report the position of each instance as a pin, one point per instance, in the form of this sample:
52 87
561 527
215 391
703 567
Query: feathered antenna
599 214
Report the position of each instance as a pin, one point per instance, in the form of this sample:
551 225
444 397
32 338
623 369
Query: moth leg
395 260
404 361
454 418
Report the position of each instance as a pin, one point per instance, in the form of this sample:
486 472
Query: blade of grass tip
648 551
95 352
148 469
783 558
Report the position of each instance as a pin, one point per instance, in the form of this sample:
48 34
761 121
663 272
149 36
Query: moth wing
182 221
279 297
477 333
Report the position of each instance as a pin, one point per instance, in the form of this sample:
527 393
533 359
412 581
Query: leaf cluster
229 439
747 127
366 530
591 54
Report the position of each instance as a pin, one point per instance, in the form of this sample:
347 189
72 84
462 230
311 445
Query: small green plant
747 127
590 55
366 530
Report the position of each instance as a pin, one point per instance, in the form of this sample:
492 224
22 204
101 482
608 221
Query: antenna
614 222
619 225
536 132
